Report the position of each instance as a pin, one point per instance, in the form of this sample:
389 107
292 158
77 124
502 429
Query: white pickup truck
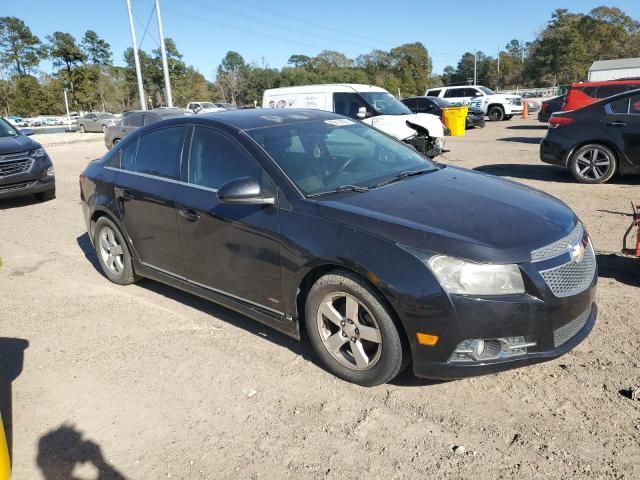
371 105
204 107
495 105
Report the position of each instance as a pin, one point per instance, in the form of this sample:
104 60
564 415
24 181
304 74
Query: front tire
496 114
113 253
593 163
104 129
82 129
352 332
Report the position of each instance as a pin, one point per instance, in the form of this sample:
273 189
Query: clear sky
269 32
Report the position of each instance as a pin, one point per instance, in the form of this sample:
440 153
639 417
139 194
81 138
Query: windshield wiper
341 188
402 175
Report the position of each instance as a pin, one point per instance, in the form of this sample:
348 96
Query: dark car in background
434 106
584 93
96 122
597 141
309 219
135 119
25 167
549 107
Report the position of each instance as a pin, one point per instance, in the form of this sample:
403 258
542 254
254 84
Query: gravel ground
148 382
63 138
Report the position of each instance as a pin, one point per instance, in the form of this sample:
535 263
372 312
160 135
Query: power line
147 26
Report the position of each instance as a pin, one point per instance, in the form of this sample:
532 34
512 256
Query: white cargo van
371 105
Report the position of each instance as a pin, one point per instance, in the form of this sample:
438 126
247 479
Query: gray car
138 118
95 122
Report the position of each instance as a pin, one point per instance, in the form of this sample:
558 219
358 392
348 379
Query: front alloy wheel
113 253
593 164
352 332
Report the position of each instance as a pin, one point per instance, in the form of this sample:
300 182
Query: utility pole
498 78
475 69
522 51
66 105
143 104
163 51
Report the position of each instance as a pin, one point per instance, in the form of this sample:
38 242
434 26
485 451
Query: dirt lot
154 383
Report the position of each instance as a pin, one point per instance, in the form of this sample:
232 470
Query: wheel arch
599 141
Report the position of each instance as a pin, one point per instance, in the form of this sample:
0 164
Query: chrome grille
13 156
567 331
15 167
15 186
573 277
561 246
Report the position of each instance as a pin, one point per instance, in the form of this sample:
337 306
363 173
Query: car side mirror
243 191
362 113
26 131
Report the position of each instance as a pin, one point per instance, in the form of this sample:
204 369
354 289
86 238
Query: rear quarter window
434 93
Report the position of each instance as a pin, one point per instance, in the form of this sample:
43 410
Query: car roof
628 81
266 117
326 87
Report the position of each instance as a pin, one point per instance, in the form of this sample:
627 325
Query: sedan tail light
555 122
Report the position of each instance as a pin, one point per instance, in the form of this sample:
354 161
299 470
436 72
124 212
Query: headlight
51 171
469 278
38 152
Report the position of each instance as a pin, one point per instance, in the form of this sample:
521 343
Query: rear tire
352 332
46 196
82 129
495 113
104 129
593 163
113 253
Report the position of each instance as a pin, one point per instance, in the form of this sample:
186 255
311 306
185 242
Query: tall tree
20 49
96 49
66 54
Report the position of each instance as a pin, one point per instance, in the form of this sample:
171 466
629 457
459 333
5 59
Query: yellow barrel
5 467
455 119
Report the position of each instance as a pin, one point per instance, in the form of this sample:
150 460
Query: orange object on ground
525 109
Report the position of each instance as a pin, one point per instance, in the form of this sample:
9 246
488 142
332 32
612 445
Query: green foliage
20 50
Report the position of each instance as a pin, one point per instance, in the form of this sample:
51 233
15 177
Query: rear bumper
513 109
553 152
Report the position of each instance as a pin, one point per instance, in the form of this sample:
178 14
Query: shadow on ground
11 364
528 172
542 126
620 268
64 449
530 140
210 308
17 202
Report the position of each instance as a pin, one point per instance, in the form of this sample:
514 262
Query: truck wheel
496 113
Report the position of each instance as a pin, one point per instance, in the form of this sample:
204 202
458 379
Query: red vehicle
585 93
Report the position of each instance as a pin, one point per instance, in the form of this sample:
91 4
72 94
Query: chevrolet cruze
310 221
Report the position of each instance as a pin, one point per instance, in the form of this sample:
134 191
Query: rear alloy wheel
82 129
593 163
113 254
496 114
352 332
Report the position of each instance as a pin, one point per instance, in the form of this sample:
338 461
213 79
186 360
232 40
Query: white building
612 69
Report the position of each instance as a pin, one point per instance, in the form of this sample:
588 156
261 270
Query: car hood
396 125
20 143
457 212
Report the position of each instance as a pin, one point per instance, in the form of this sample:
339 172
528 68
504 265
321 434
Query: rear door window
150 118
412 103
133 120
605 91
159 153
634 105
619 106
454 93
434 93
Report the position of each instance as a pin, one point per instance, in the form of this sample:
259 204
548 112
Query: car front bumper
34 180
475 121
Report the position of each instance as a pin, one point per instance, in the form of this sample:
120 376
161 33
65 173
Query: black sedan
25 167
597 141
434 106
304 219
549 107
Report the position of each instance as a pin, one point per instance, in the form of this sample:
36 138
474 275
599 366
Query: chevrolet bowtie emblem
577 252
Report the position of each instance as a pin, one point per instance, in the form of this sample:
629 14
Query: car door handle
190 214
616 124
125 194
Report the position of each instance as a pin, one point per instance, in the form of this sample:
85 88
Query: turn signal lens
426 339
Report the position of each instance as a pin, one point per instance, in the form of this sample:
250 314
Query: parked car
368 104
226 106
496 106
135 119
308 219
434 106
533 106
549 107
597 141
25 167
585 93
204 107
95 122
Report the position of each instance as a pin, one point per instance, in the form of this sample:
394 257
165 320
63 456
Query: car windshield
320 156
488 91
385 103
6 129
